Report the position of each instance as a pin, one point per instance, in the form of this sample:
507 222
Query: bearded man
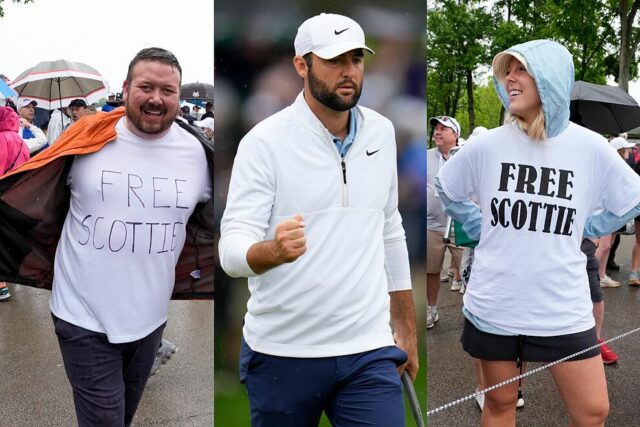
116 217
312 220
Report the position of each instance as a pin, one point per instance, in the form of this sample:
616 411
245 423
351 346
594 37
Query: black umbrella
604 109
197 91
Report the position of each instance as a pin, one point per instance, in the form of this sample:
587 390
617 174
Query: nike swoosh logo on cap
337 33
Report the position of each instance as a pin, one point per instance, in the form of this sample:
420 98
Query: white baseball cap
447 121
23 102
329 35
619 142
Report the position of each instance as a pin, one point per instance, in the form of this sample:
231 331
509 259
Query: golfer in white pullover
312 220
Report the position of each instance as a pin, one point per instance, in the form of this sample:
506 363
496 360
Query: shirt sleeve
606 222
249 201
455 176
38 142
395 244
465 212
620 184
396 263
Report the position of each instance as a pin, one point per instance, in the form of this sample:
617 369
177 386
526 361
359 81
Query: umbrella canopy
603 109
55 84
197 91
6 91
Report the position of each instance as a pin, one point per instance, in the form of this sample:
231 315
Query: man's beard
322 94
136 117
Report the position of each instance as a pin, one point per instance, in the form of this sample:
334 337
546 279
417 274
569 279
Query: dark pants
362 389
593 266
614 246
107 379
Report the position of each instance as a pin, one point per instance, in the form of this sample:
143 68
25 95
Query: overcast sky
106 35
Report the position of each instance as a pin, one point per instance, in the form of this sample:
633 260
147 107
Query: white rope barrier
526 374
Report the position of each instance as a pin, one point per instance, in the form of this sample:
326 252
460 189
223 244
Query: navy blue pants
361 389
107 379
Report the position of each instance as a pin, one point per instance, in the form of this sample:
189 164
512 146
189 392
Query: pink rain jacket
13 150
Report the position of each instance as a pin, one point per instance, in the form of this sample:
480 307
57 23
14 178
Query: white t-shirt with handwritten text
115 263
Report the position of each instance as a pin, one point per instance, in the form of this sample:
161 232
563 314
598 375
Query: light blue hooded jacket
551 66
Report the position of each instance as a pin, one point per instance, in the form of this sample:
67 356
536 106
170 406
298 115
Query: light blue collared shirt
343 146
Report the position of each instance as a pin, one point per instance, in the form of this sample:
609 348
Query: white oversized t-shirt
529 274
115 263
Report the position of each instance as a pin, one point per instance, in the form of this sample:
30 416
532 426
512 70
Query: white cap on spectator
619 142
23 102
447 121
329 35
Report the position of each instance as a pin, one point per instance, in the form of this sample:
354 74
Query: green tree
530 16
583 27
602 35
15 1
628 40
487 108
457 33
444 76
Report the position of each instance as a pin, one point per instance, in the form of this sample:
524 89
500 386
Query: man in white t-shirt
115 263
57 124
446 132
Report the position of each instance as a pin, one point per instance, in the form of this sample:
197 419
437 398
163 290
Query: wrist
263 256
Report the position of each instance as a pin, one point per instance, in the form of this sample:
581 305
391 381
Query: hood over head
9 120
551 66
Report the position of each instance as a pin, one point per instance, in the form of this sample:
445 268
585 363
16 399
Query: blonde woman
538 178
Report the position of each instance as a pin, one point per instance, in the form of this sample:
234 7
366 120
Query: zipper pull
344 171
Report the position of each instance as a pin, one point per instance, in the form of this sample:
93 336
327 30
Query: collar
343 146
307 116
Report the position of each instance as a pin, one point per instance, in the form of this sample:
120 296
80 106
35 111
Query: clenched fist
290 242
288 245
